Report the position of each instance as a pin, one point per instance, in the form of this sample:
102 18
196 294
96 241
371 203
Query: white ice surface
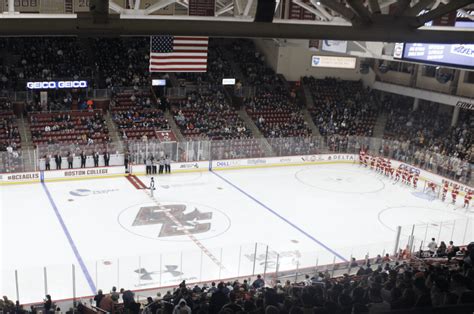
306 214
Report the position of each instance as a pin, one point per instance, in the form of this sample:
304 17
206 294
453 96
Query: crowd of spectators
43 58
218 67
137 115
274 109
441 279
10 140
424 136
206 114
342 107
80 127
9 135
122 62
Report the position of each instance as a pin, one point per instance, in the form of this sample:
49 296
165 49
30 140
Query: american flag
178 54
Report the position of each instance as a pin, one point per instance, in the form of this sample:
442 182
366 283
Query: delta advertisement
460 55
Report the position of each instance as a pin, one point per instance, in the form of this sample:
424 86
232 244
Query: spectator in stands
48 304
107 303
258 283
451 250
218 299
98 298
182 308
432 246
114 294
441 251
232 305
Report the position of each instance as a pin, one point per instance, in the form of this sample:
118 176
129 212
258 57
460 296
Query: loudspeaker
265 11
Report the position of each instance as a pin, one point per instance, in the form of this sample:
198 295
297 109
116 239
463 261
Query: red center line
189 234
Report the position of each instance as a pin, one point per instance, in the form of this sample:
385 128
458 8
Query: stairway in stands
27 146
379 126
266 147
174 127
309 121
114 133
308 96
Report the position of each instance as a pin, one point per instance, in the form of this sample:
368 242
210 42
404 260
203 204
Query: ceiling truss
360 20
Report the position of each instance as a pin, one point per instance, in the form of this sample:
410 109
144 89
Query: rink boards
213 165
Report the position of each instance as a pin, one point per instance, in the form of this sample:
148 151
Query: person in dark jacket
70 160
98 297
106 158
48 304
83 159
129 303
47 162
96 159
218 300
58 159
126 159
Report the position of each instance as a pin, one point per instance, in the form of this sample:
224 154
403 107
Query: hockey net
432 189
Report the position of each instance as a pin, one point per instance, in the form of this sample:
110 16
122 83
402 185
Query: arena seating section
122 62
342 107
136 115
389 284
68 127
9 134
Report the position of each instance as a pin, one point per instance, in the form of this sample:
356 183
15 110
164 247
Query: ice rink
207 225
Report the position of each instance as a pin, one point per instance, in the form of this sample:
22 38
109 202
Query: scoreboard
455 55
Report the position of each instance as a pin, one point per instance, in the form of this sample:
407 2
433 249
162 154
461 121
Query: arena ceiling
358 20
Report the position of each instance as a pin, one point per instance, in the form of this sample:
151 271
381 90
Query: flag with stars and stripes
178 53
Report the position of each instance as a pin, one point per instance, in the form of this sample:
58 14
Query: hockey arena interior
236 156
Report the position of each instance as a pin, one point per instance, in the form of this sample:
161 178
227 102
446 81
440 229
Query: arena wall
293 59
214 165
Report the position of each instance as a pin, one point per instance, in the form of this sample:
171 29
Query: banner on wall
333 62
339 46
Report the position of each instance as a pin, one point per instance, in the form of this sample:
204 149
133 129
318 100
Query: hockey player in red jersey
361 157
397 174
366 160
454 193
409 177
445 191
467 198
415 181
404 176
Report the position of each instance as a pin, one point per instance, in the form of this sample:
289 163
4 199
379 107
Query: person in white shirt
432 246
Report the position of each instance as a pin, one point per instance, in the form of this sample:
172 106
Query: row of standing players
58 160
409 176
164 163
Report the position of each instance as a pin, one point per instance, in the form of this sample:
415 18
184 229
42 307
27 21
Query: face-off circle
174 221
